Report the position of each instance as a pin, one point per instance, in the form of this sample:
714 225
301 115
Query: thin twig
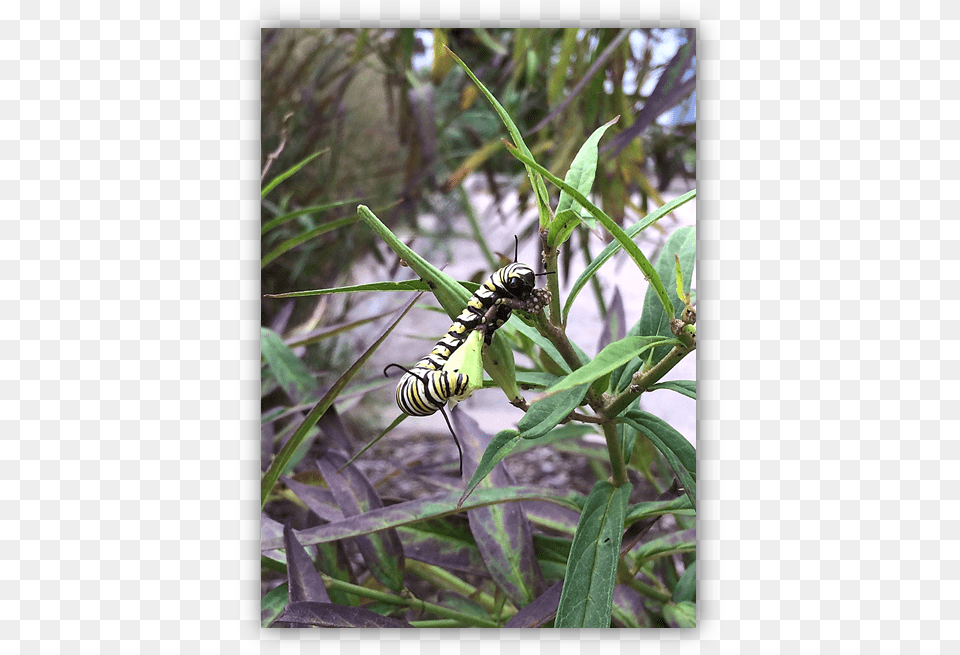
276 153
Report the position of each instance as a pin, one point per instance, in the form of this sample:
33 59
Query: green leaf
684 541
291 374
539 188
272 604
679 453
587 597
397 421
290 244
614 355
583 171
686 387
686 588
632 249
287 173
544 415
534 335
614 247
654 319
563 225
500 446
680 615
406 285
313 209
651 508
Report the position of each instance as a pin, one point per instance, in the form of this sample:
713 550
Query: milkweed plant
488 551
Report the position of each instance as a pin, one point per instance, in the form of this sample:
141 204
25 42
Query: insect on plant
432 382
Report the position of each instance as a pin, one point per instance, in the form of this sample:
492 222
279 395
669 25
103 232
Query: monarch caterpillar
426 388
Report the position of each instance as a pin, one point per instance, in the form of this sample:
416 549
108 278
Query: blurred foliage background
400 128
390 121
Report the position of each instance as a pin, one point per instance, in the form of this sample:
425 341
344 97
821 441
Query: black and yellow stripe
425 388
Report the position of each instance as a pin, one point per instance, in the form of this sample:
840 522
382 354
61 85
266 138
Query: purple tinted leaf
336 432
270 530
319 500
418 510
553 516
540 612
502 531
439 543
327 615
305 583
628 608
382 552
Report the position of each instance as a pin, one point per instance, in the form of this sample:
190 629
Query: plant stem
442 579
553 283
616 454
642 381
416 603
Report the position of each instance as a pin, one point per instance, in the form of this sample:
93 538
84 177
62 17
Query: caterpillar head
519 280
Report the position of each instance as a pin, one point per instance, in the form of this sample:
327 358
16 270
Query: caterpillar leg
538 299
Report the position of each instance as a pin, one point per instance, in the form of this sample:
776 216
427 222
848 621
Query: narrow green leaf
397 421
290 244
271 185
614 355
686 387
614 246
686 587
272 604
280 462
500 446
680 615
632 249
651 508
655 319
292 375
683 541
544 415
679 277
563 225
587 597
678 452
583 171
534 335
313 209
406 285
539 188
